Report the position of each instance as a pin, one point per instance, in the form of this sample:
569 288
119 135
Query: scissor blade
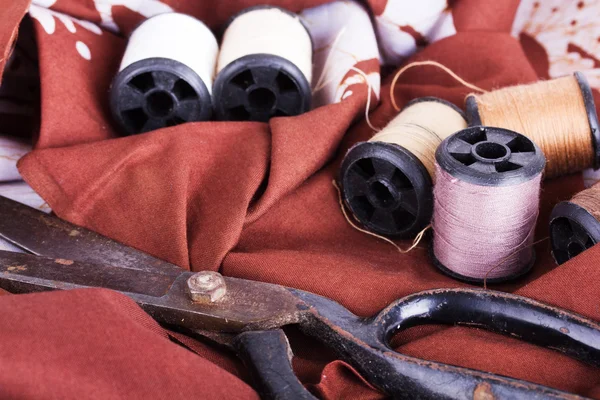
46 235
246 304
23 273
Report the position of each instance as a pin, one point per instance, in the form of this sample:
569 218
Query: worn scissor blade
46 235
247 305
23 273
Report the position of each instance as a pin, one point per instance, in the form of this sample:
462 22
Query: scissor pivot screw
206 287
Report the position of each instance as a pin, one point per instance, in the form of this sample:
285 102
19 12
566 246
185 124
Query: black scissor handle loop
364 343
499 312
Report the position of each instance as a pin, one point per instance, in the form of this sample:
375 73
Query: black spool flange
572 230
590 108
489 156
386 187
158 92
474 118
257 87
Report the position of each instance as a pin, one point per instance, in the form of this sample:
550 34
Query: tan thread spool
575 224
559 115
421 127
387 181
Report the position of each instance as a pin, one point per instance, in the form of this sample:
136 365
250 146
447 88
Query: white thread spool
166 74
265 66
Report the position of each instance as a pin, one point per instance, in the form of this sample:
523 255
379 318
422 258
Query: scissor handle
364 343
267 355
517 316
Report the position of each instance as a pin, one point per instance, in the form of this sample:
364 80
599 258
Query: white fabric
343 37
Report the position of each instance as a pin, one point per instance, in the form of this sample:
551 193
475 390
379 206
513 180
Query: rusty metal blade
46 235
247 305
22 273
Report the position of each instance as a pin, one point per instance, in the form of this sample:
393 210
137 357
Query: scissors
247 316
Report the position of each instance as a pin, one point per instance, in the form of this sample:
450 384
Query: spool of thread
559 115
387 181
166 74
265 66
486 201
575 224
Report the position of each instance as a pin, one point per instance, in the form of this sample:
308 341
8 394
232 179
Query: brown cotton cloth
254 201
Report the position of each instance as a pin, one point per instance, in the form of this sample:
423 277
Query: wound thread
166 74
558 115
421 127
486 201
264 68
268 30
575 224
386 182
589 199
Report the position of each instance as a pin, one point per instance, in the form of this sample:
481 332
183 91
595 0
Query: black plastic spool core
158 92
474 118
572 230
257 87
489 156
386 187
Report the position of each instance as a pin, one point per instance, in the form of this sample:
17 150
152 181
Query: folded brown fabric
256 201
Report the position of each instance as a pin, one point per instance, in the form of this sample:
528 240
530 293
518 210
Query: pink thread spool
486 202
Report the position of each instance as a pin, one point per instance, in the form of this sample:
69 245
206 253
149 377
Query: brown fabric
477 15
212 13
254 201
11 13
48 352
83 85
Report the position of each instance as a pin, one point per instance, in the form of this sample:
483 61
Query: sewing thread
166 74
386 181
556 114
264 68
267 30
575 224
421 126
178 37
486 201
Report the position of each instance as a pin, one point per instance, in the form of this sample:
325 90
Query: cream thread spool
575 225
387 181
166 74
486 204
264 68
576 144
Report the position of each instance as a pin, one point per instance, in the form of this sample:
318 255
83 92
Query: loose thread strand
369 90
433 64
416 240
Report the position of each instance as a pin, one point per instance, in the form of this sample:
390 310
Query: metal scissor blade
23 273
46 235
246 305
